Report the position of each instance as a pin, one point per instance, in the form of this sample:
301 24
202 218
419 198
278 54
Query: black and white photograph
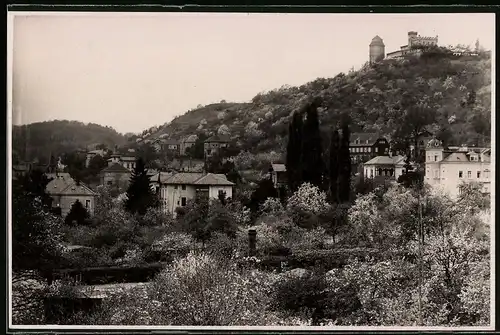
224 170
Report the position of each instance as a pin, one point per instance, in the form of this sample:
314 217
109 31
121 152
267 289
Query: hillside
41 139
448 95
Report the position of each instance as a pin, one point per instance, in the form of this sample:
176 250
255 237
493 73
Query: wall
174 195
65 202
446 175
213 191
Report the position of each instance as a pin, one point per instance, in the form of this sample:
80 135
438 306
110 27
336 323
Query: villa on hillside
215 143
91 154
65 191
447 168
365 146
176 189
187 143
128 162
390 167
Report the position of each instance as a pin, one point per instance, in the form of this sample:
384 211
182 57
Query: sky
132 71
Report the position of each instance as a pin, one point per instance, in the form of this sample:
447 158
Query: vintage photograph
251 169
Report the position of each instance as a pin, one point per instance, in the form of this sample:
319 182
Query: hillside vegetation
447 95
41 139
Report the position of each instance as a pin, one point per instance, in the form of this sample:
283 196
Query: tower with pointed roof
377 50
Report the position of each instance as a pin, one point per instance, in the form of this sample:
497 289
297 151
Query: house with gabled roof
65 191
178 188
187 142
390 167
214 143
115 175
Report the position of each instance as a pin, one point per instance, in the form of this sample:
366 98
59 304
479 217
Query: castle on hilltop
377 47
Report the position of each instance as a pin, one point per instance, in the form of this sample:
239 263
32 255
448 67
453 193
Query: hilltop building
377 50
447 168
377 47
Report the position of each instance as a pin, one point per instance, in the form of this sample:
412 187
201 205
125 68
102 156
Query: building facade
412 48
116 175
65 191
128 162
365 146
385 166
187 143
178 188
213 144
447 168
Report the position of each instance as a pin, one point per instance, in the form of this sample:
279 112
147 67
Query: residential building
176 190
215 143
116 175
65 191
365 146
447 168
92 154
391 167
127 162
187 143
171 146
21 169
278 175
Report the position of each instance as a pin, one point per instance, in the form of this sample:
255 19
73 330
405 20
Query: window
175 187
110 182
369 149
376 149
436 172
87 203
460 174
183 187
478 174
486 173
435 158
469 174
183 201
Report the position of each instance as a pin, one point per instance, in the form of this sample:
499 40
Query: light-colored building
128 162
176 189
385 166
414 41
447 168
65 191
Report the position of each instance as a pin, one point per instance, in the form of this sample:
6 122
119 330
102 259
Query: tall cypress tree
344 165
334 166
140 195
294 152
312 156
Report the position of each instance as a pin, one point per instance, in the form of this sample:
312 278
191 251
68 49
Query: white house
447 168
386 166
176 189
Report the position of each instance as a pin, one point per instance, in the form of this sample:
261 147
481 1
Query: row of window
182 186
366 149
478 174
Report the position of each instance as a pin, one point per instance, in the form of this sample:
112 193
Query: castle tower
412 35
377 50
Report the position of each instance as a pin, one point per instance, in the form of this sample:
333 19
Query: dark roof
377 41
115 168
364 138
214 179
63 185
218 138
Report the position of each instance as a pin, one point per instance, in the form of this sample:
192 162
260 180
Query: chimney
252 242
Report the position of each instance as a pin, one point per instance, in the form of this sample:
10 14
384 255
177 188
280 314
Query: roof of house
463 157
96 152
278 167
170 141
53 175
67 186
363 138
190 138
218 138
385 160
195 178
128 158
116 167
163 177
214 179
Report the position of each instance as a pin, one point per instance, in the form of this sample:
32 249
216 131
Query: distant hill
40 140
454 90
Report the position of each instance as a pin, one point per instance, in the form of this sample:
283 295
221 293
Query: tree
96 164
294 152
77 213
265 189
334 166
75 165
312 153
140 195
344 186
